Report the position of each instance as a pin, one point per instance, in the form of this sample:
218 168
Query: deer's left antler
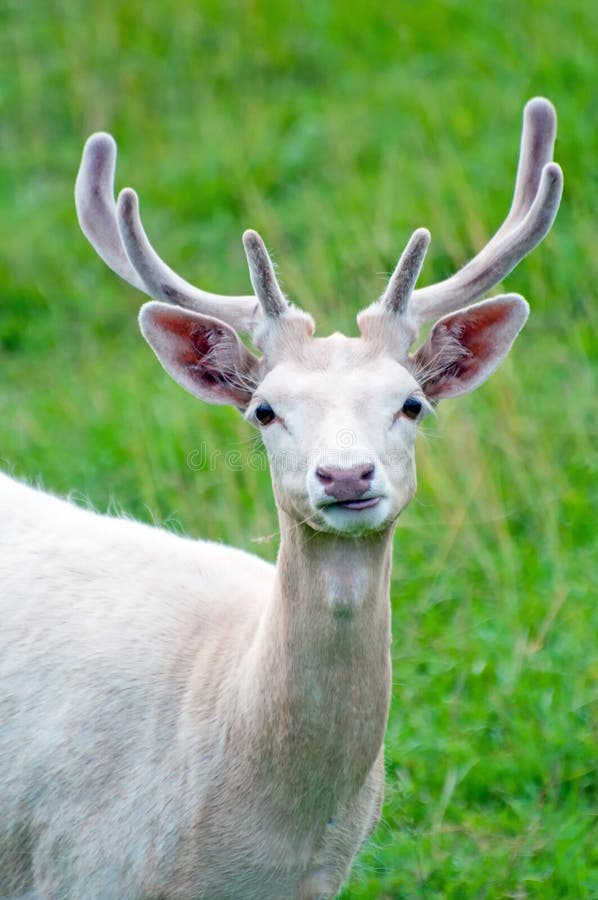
537 196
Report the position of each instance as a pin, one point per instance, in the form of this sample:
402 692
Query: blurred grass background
335 129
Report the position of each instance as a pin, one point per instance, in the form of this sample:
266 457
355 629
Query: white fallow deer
179 719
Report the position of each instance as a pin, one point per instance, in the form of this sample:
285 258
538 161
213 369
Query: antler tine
537 145
96 210
402 281
535 203
263 277
117 235
162 283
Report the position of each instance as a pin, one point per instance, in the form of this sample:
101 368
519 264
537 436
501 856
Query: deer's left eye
411 407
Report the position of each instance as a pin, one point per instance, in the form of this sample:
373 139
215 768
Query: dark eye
411 407
265 414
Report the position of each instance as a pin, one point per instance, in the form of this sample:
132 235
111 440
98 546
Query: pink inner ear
203 354
473 331
465 347
196 348
200 336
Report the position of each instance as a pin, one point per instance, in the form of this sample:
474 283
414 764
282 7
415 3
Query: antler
116 233
282 324
538 190
263 276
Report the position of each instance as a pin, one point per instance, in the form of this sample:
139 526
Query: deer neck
332 593
322 662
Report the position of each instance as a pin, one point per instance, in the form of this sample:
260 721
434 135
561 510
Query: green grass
335 129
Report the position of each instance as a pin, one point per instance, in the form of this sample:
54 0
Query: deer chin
354 517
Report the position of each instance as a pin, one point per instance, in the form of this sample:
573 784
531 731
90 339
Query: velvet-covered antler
538 190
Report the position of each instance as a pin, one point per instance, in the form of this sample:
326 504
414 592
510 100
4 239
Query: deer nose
346 484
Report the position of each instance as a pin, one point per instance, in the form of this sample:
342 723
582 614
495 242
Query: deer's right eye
265 414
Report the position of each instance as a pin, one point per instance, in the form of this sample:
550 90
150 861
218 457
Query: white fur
101 620
180 719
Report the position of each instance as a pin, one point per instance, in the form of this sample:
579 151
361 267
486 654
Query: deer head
338 415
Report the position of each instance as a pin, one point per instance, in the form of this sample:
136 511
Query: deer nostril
324 474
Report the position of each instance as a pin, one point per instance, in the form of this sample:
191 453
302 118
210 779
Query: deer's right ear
203 354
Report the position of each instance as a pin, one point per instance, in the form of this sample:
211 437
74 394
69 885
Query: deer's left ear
465 347
205 355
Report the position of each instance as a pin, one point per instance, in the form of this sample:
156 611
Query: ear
203 354
465 347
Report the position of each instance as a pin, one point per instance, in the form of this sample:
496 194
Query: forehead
332 367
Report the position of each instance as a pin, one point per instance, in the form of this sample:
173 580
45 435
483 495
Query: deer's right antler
116 233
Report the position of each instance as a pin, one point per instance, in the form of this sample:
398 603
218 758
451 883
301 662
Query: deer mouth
366 503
